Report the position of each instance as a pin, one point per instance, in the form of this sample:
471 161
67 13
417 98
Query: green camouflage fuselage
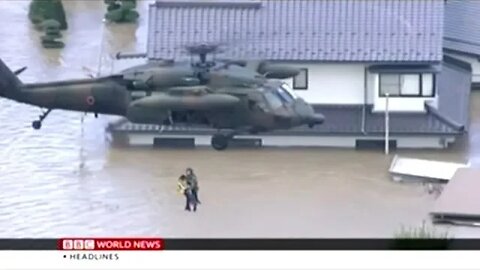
232 98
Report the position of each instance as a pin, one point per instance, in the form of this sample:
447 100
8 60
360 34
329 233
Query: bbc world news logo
78 244
91 244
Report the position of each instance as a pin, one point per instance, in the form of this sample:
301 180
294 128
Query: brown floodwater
67 179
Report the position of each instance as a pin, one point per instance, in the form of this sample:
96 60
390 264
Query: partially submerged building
352 53
462 34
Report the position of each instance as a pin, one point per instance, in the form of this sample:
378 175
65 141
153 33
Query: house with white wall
352 54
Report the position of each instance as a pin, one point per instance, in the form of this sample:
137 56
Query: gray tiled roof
347 119
340 120
454 84
462 26
320 30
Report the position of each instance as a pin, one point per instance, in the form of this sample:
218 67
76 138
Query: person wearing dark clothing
185 188
193 182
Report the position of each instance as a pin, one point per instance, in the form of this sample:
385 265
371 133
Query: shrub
41 10
423 237
121 11
422 232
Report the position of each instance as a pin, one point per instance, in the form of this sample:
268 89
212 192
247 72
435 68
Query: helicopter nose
283 119
316 119
307 113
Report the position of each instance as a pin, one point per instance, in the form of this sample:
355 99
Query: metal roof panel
330 30
462 26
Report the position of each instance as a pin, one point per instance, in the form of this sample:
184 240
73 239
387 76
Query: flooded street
67 180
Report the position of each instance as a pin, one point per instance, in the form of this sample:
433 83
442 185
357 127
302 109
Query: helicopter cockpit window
273 100
289 90
284 95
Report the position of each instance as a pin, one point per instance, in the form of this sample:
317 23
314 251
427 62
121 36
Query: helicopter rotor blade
213 46
228 62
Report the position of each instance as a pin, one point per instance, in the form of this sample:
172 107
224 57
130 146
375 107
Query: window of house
428 85
407 85
300 82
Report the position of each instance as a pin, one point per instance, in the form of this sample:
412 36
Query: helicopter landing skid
37 124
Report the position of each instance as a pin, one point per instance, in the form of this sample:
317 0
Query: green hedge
121 11
41 10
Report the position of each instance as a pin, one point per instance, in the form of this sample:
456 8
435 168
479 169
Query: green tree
41 10
121 11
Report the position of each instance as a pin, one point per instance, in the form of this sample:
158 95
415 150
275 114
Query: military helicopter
223 94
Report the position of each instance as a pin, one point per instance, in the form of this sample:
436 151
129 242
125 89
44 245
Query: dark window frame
420 81
295 86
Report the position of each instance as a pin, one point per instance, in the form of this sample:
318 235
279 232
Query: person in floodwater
184 187
193 181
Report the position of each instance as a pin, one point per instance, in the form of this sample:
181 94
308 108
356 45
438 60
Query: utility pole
387 126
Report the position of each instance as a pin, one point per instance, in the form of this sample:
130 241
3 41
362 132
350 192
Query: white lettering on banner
67 244
145 244
112 244
78 244
89 244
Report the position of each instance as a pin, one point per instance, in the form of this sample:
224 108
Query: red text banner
76 244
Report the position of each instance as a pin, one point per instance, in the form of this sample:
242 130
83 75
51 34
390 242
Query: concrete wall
413 142
333 83
345 84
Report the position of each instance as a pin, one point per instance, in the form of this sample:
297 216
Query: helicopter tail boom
10 85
